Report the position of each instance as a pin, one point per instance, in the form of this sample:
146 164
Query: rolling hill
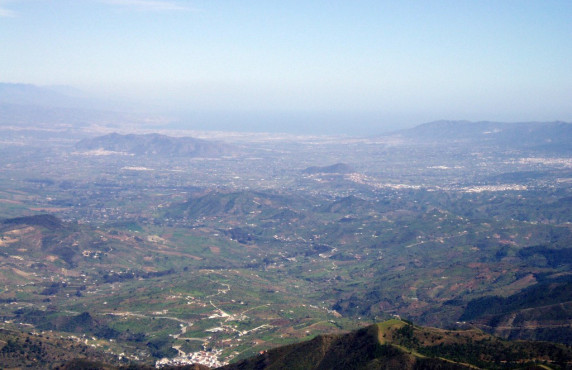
155 144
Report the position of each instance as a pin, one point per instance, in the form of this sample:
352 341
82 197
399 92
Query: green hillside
397 344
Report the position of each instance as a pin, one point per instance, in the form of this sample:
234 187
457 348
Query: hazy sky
406 61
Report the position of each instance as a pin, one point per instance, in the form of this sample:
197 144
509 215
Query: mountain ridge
398 344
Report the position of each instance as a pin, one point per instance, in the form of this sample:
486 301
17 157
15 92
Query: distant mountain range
534 135
155 144
25 94
30 104
62 108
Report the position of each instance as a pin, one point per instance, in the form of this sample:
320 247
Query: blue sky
401 62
